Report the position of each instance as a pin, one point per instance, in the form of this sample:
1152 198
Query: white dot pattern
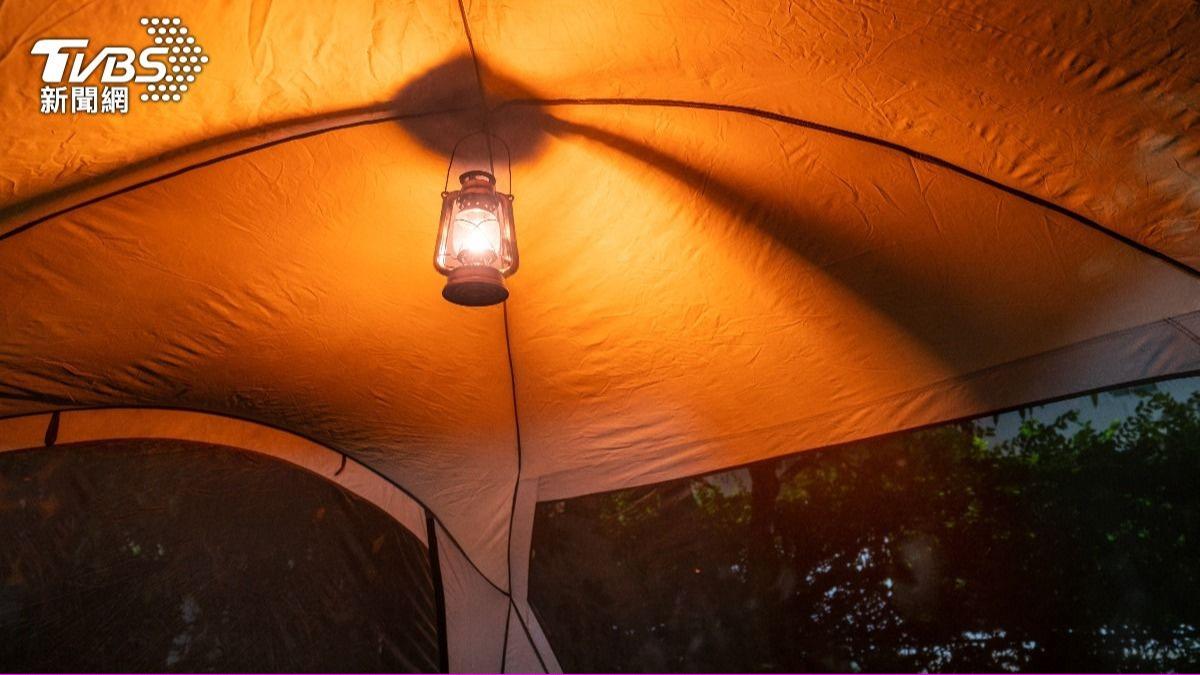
183 55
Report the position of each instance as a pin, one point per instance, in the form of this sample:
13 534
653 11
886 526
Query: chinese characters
88 100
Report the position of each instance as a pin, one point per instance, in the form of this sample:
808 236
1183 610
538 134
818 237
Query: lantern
476 245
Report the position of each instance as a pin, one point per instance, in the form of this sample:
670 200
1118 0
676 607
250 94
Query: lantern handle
454 151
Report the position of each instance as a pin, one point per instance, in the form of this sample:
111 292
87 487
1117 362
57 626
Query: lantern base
475 286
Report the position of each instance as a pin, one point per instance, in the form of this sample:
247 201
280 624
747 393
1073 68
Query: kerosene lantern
476 244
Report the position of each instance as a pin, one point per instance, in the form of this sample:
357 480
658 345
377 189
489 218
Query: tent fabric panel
1145 352
700 306
270 63
28 213
747 280
315 310
476 612
84 426
520 551
1023 94
524 501
89 425
727 295
1085 103
536 635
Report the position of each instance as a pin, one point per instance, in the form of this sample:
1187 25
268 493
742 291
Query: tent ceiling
1083 103
698 288
1088 104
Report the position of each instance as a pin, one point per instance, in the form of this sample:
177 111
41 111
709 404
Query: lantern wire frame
491 172
491 164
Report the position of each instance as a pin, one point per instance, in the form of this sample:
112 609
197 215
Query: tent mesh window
1062 537
150 555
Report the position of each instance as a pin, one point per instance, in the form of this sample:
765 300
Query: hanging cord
484 111
490 135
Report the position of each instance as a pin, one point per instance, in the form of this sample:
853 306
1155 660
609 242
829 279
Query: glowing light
477 245
476 237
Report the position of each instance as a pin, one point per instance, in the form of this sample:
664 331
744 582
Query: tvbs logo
167 70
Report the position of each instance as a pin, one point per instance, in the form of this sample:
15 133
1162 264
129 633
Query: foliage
1065 547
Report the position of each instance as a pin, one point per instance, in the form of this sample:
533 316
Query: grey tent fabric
477 614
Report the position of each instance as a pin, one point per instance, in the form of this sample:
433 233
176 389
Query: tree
1064 547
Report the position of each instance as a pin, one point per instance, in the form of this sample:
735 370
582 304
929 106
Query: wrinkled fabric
1084 103
423 382
476 613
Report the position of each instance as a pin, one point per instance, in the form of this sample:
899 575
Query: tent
746 230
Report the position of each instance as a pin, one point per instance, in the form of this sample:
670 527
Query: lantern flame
477 233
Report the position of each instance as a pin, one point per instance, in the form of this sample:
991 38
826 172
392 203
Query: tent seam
268 425
483 106
233 154
528 635
871 140
512 379
1183 329
51 430
958 380
439 589
865 439
646 102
